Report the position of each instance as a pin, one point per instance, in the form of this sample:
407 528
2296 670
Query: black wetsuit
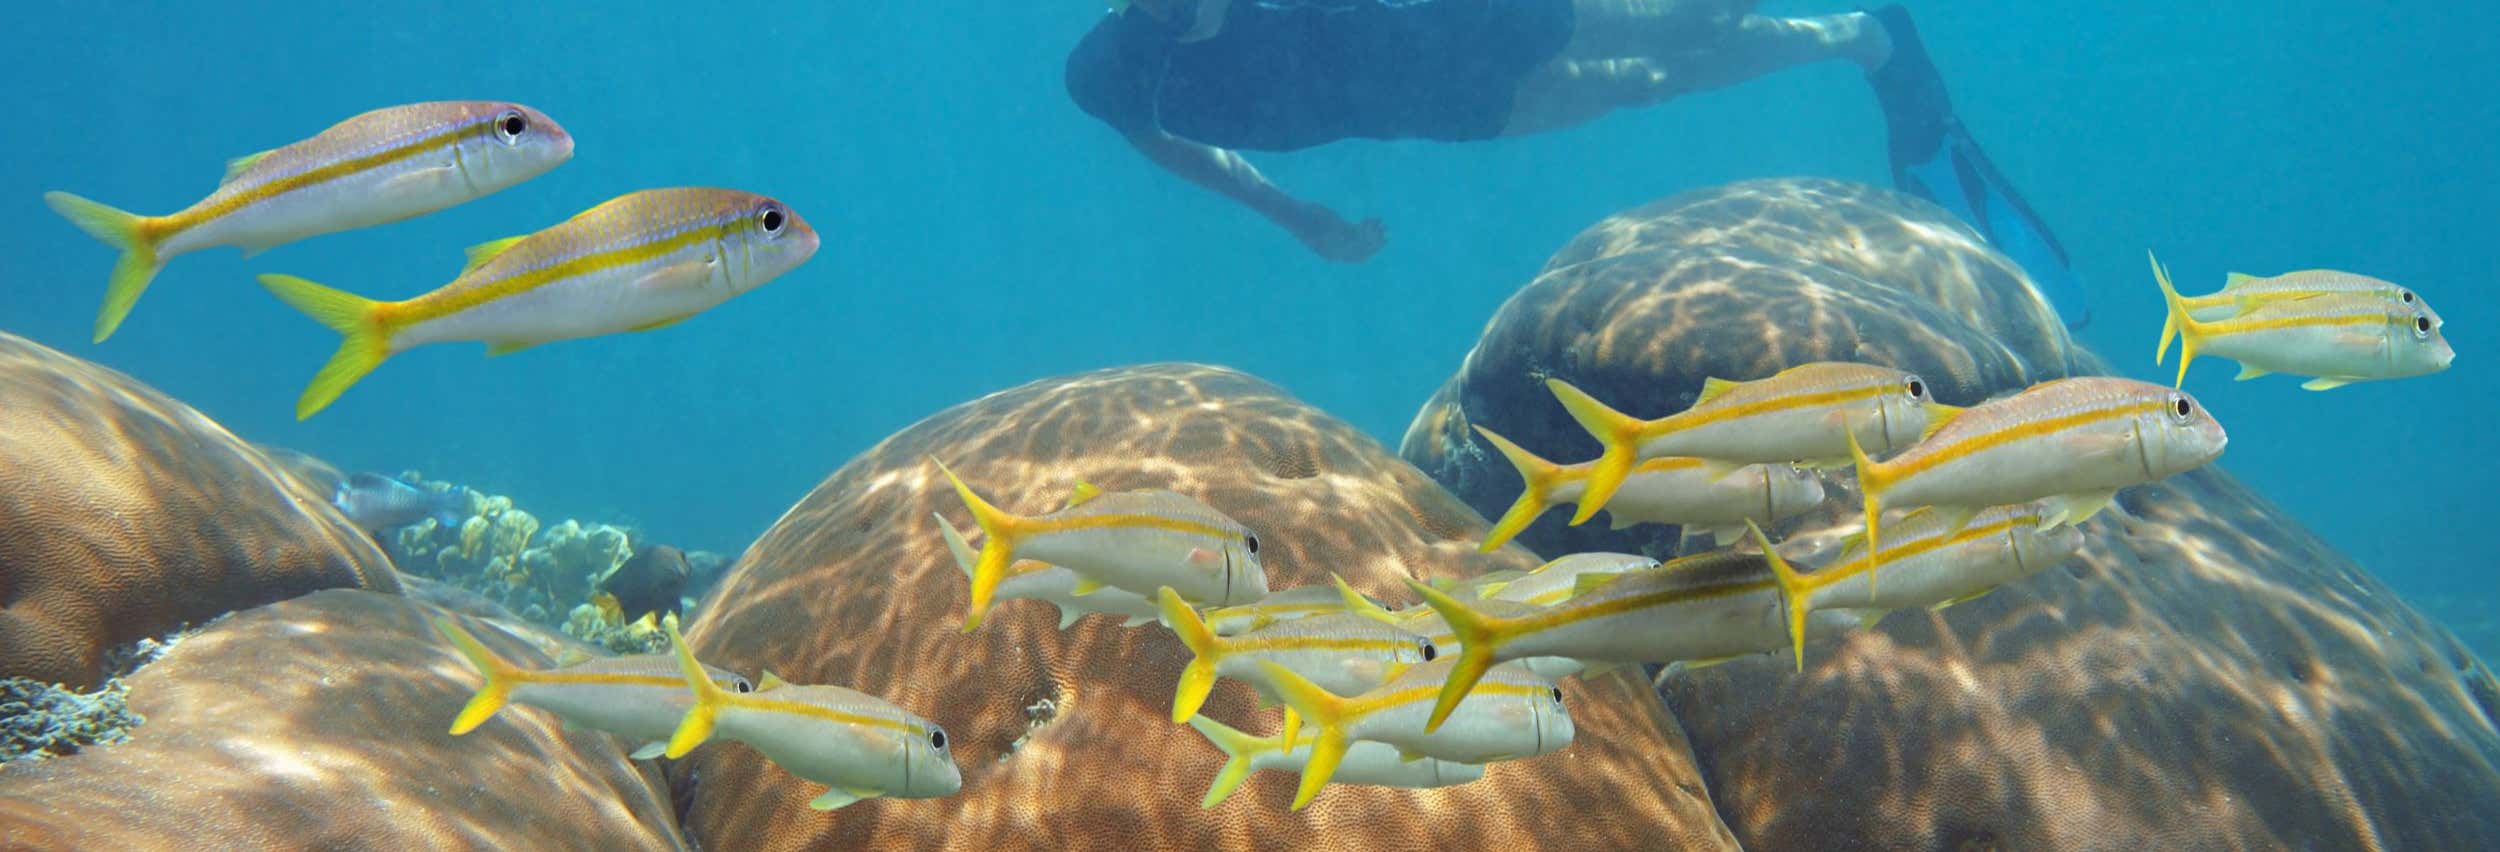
1287 74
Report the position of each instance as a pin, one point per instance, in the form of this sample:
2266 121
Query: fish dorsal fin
482 252
1084 491
1587 583
1938 414
1490 589
2236 279
237 166
770 681
571 656
1712 388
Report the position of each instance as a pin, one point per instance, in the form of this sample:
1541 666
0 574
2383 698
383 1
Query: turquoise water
981 232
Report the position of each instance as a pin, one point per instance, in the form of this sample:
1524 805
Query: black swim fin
1935 158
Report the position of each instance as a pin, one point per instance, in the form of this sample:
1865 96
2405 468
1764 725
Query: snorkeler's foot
1934 157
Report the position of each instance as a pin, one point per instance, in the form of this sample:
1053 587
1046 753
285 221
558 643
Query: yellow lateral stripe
1597 607
442 304
1119 521
1694 418
325 173
1661 464
1895 470
2244 324
1898 552
601 679
828 714
1368 704
1241 644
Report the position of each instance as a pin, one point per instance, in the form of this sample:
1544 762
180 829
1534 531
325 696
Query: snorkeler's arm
1225 172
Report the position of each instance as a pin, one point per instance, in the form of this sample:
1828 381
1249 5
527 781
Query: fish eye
1425 645
772 220
1556 694
2180 407
937 738
740 684
512 124
2406 295
1251 540
1916 387
2421 326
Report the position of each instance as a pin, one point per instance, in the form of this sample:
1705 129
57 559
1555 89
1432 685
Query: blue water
981 232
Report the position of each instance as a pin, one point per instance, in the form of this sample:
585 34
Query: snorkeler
1190 83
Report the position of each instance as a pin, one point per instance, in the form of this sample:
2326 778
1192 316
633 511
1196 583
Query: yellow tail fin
1317 707
1794 592
1478 636
1870 488
998 546
1239 750
501 676
699 720
2189 330
348 314
120 229
1197 678
1537 477
1614 430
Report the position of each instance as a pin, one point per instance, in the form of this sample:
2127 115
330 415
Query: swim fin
1934 157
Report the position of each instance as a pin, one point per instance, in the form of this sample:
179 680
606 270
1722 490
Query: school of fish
1422 696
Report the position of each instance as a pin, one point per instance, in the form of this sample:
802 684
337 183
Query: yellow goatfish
381 166
640 698
1705 607
1041 581
1803 414
2074 442
2242 292
2339 339
1422 621
1933 562
1517 714
1288 605
641 261
1365 762
1135 540
1556 581
1345 653
857 744
1714 497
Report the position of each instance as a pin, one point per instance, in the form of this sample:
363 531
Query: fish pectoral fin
506 347
660 324
1595 668
571 656
2068 509
692 273
1138 621
1940 605
650 750
1405 756
1587 583
415 179
1086 586
1068 615
836 797
2095 444
1617 521
2250 371
1721 534
1826 464
2326 383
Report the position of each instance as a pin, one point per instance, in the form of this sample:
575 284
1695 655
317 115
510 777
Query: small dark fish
651 581
376 503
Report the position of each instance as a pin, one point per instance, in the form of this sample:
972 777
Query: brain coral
318 723
124 514
2206 676
1065 738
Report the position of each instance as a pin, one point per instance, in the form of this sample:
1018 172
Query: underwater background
979 231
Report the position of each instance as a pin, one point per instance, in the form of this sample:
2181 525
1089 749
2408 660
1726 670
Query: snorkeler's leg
1934 157
1636 53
